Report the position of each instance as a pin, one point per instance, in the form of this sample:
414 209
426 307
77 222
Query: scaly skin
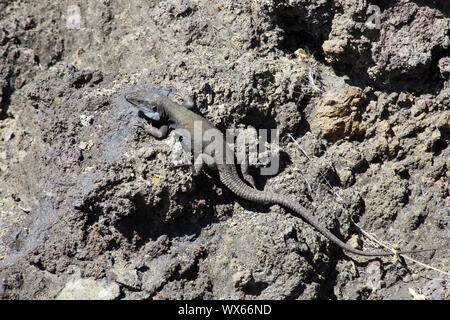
185 118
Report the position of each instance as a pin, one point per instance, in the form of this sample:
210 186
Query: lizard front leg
159 133
188 102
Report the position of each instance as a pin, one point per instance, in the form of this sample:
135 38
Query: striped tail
232 181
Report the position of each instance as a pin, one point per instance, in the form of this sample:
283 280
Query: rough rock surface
338 114
89 289
90 204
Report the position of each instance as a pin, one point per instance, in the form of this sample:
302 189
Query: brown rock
339 114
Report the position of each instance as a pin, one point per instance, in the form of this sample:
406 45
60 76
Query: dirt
91 205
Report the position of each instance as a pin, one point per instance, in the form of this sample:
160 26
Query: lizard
158 107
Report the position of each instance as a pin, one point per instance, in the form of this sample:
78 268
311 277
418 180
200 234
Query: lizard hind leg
201 160
247 177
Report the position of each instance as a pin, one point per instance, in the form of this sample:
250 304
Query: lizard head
146 103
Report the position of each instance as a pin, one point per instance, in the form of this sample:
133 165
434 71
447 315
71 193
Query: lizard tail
232 181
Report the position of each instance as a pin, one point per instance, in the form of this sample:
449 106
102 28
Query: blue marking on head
149 113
